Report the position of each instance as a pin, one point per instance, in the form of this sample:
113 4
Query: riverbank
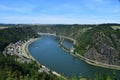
42 68
74 53
89 61
49 34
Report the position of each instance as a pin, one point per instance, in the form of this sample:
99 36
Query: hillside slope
101 43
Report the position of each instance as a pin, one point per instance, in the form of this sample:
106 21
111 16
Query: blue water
67 44
48 53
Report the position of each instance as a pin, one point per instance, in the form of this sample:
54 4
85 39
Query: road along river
46 51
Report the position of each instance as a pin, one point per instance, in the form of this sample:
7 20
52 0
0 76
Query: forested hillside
101 43
14 34
72 31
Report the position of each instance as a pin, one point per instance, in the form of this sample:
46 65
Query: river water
47 51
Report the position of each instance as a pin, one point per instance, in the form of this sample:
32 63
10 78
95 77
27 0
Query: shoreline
89 61
43 68
49 34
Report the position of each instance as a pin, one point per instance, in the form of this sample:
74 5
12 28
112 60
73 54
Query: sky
59 11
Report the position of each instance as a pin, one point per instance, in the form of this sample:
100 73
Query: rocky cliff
103 45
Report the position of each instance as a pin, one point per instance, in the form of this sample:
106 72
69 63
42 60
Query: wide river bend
47 52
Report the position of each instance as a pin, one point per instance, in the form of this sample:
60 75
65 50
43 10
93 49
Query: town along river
47 52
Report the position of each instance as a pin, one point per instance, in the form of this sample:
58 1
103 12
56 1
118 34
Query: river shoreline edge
89 61
30 41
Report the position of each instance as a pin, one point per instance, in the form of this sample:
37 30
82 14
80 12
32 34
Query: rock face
94 55
106 49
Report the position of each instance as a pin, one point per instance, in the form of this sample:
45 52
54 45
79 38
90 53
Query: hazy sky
60 11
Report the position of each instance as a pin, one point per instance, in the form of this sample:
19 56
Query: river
47 51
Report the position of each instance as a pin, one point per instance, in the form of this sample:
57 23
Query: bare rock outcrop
104 49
